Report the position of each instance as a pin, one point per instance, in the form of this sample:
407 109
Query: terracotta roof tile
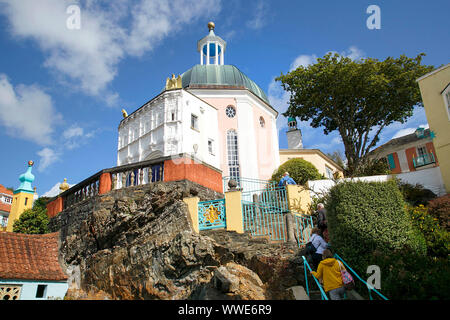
6 191
30 257
5 207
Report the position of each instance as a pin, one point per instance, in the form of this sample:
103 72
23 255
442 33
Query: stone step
299 293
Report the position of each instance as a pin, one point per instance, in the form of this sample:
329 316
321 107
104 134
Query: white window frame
233 154
194 124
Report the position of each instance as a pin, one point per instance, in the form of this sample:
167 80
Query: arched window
233 154
262 122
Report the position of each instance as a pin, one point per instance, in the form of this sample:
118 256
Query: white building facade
212 111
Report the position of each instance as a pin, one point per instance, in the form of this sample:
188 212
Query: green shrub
440 209
415 194
408 276
32 221
437 238
364 217
300 170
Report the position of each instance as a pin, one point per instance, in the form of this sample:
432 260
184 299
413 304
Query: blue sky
61 90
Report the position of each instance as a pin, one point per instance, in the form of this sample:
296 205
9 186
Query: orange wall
187 169
54 207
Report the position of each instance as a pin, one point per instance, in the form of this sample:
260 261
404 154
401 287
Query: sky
64 80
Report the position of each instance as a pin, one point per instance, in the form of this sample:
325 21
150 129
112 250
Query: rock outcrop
138 243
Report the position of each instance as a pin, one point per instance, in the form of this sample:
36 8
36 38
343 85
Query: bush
300 170
437 238
440 209
364 217
32 221
415 195
408 276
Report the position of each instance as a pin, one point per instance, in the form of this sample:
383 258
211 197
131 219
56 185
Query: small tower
23 197
294 135
212 47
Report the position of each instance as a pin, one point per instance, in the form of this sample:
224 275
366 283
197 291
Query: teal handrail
369 287
322 293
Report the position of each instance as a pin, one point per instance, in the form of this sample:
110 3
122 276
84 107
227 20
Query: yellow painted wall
310 155
192 204
18 207
431 88
299 198
233 207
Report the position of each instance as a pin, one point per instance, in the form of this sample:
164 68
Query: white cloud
54 191
75 136
87 59
260 16
47 156
27 112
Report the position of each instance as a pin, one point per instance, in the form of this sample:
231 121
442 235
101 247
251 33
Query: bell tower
212 48
294 135
23 197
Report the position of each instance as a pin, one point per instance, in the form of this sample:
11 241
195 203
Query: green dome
220 75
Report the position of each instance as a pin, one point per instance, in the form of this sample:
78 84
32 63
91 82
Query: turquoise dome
220 75
25 180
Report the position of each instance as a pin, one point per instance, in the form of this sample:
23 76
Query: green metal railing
211 214
262 220
303 226
423 160
322 292
247 184
369 287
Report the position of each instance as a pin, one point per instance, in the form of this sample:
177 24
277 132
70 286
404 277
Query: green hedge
364 217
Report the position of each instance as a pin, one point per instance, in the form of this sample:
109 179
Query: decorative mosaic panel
211 214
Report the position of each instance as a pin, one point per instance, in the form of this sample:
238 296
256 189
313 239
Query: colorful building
409 153
29 267
213 112
326 166
6 198
23 197
435 90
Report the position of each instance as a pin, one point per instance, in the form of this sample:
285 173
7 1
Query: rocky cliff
138 243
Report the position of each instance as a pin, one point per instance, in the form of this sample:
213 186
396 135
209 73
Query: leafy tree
300 170
356 98
33 221
372 167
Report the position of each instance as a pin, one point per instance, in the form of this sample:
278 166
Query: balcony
424 160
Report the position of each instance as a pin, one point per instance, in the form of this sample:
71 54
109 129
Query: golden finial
124 113
30 163
211 25
64 186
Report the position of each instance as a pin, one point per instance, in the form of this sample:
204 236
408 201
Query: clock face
230 111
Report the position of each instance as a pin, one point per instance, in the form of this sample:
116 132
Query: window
233 154
210 146
40 292
230 111
26 201
194 122
262 123
329 172
421 151
173 116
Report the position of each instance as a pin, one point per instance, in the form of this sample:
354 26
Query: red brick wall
54 207
410 154
187 169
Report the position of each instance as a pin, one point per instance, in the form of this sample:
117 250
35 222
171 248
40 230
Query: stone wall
138 243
